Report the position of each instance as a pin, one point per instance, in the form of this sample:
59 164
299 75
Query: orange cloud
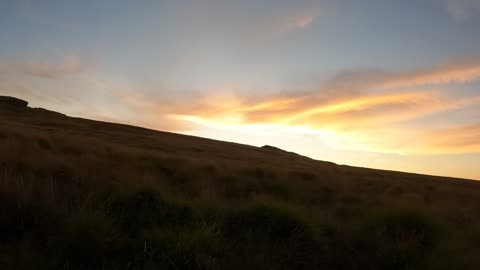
300 110
356 111
356 122
456 73
407 141
456 140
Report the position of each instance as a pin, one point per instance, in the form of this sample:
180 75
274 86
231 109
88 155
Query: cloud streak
453 140
452 73
348 113
299 20
70 65
352 105
358 110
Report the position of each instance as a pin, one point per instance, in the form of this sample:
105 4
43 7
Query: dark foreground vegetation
80 194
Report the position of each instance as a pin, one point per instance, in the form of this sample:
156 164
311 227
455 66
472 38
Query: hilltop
83 194
7 102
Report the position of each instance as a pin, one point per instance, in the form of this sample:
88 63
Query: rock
279 151
12 102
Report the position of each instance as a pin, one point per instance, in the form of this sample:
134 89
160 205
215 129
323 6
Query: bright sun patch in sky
382 84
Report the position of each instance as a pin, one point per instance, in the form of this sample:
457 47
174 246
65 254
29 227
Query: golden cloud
454 140
357 122
357 111
454 73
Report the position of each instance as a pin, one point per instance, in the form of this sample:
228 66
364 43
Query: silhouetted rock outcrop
277 150
11 102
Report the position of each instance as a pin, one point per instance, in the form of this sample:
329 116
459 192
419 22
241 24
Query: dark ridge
274 149
16 104
47 112
12 102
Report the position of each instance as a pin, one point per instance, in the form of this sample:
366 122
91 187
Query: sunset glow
327 79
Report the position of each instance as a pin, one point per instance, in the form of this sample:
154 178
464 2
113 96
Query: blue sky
383 84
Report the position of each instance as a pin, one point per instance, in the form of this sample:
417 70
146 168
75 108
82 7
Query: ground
81 194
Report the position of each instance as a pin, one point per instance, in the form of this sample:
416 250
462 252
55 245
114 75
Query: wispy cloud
451 73
352 105
348 113
298 20
452 140
71 64
283 24
147 110
357 110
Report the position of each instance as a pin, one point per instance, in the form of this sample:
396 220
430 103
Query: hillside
83 194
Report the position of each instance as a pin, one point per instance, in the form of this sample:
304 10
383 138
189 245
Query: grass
78 194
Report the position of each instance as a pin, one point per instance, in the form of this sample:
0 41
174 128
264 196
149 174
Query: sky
375 83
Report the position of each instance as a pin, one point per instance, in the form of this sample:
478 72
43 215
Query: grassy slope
80 194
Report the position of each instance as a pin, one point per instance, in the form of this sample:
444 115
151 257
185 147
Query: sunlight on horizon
382 84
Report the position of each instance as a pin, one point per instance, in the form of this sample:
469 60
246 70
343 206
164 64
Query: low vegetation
79 194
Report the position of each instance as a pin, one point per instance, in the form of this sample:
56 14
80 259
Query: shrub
304 176
88 240
257 172
25 222
233 187
72 151
322 195
270 235
271 219
44 144
146 208
397 239
196 247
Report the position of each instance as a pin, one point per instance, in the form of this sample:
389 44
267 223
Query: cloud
71 64
453 140
305 21
364 95
147 110
462 9
359 107
363 110
404 140
281 24
299 20
451 73
372 111
346 113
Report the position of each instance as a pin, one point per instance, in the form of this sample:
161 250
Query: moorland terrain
83 194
